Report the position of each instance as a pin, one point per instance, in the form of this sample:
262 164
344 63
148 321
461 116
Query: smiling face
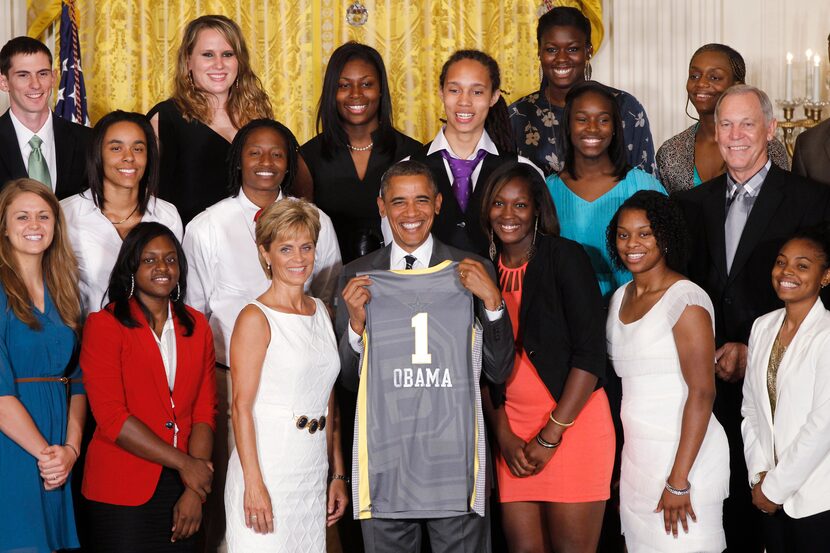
636 244
29 84
513 214
123 156
591 125
410 205
358 94
158 270
467 95
563 53
799 271
30 225
213 64
264 160
291 257
709 75
742 135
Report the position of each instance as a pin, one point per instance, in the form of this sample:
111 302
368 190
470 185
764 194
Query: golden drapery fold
129 48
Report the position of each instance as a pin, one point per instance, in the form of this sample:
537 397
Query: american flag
71 90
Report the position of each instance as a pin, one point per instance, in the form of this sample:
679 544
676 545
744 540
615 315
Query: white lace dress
300 367
644 355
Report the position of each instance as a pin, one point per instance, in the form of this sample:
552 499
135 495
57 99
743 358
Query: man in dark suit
811 158
410 200
33 142
738 222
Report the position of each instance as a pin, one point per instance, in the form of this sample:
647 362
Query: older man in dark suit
33 142
811 158
738 222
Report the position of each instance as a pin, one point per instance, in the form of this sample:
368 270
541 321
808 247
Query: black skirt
142 529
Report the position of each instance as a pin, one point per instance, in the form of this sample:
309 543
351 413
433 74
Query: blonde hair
247 99
286 218
60 269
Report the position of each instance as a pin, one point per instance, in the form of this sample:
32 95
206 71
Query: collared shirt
167 347
96 242
224 272
752 186
45 133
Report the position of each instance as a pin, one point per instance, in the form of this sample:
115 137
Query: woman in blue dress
40 437
565 50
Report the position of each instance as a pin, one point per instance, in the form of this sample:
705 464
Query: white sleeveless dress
300 367
644 355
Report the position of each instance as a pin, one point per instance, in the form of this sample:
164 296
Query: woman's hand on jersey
475 278
513 450
357 295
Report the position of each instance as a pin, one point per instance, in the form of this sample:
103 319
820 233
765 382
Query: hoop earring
588 71
492 251
132 286
178 293
689 115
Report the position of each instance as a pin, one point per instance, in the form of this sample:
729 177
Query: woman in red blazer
147 361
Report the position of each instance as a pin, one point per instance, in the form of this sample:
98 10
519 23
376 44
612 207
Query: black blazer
561 316
72 142
785 204
811 157
453 226
497 347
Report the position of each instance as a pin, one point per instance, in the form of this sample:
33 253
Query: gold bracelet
72 447
562 424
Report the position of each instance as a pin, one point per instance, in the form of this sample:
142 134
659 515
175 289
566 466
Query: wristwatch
754 481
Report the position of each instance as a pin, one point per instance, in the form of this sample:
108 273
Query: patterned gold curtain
129 47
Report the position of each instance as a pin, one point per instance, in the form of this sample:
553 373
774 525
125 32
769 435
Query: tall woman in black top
356 145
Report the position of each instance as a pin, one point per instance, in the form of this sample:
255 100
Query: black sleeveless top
453 226
193 172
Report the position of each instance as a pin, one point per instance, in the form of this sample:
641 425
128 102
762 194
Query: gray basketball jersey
419 435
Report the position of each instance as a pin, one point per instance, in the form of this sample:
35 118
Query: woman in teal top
596 179
39 324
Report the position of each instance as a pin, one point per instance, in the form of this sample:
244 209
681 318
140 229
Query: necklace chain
124 220
360 148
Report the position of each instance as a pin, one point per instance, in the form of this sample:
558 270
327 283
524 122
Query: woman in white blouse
123 179
786 405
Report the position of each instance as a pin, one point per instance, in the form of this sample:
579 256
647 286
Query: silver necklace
124 220
360 148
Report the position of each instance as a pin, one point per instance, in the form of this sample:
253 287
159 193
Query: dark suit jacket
786 203
561 316
72 143
497 349
811 158
124 377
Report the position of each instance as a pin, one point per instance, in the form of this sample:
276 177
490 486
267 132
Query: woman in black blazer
551 421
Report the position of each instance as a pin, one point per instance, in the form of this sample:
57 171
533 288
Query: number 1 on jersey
421 355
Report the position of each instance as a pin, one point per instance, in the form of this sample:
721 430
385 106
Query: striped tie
38 169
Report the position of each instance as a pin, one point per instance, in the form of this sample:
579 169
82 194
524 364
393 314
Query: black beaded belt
313 425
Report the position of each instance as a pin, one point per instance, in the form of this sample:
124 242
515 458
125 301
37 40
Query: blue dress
538 133
585 222
33 520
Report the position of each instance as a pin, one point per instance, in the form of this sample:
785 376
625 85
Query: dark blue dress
33 520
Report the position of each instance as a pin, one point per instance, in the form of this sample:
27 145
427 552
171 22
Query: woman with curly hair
661 341
215 93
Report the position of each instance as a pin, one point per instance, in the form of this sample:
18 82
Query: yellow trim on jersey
429 270
476 460
364 496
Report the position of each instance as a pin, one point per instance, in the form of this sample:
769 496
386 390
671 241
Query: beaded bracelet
546 444
676 491
342 477
562 424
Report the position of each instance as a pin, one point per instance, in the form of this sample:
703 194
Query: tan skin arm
338 496
249 342
695 342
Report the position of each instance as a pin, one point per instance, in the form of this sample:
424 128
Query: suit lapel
10 149
382 261
155 364
714 214
182 360
530 284
63 151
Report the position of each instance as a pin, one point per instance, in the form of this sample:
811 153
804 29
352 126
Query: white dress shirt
167 347
224 273
96 242
45 133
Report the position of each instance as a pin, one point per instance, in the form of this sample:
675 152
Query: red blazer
124 376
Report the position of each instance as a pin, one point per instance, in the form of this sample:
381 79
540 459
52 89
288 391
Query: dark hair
234 160
546 211
148 186
667 224
616 150
561 16
819 235
328 118
122 277
21 45
736 60
497 123
407 168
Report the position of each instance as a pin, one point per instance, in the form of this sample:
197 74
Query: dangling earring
237 83
132 286
178 293
689 115
588 70
190 76
492 250
531 250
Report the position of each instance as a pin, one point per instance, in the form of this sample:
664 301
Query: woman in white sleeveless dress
660 332
284 363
